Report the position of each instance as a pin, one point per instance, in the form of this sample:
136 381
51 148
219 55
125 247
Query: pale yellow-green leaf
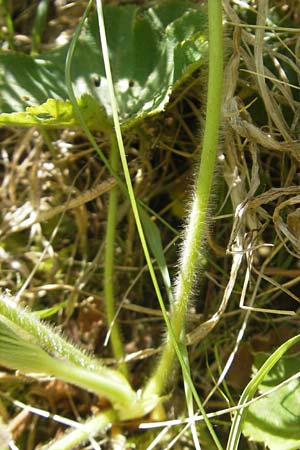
60 113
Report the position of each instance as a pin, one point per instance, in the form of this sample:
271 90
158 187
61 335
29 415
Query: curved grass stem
114 332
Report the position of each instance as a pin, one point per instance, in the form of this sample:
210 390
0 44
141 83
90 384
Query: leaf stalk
195 229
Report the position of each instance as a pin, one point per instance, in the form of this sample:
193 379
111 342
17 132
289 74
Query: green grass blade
119 138
71 93
153 238
251 388
39 25
114 331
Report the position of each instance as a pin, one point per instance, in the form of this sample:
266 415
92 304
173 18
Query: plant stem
7 19
194 232
115 390
151 393
90 428
115 337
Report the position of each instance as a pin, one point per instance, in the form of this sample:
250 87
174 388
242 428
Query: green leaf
145 71
275 419
19 353
60 113
22 338
251 388
49 312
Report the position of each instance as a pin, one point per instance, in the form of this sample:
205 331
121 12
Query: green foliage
39 24
250 390
60 113
275 419
17 352
28 345
145 71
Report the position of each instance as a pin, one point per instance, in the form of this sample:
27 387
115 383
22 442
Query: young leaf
60 113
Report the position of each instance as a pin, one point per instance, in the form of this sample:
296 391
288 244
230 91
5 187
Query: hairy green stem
194 232
115 337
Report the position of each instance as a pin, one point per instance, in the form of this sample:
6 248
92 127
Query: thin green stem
109 265
47 139
73 100
71 93
112 166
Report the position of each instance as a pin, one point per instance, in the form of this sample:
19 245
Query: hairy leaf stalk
66 361
194 232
